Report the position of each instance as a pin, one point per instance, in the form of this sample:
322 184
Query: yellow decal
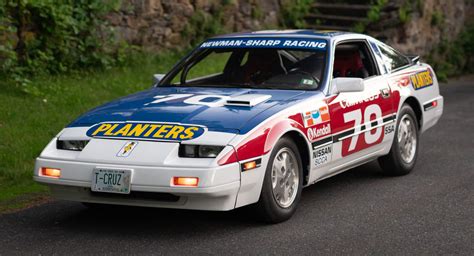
124 130
101 128
128 147
110 130
138 130
174 132
189 133
163 129
146 131
421 80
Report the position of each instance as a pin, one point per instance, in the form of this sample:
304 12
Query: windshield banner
268 42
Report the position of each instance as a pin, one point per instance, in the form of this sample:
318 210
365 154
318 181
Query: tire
273 207
398 161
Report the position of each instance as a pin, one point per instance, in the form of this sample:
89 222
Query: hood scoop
247 100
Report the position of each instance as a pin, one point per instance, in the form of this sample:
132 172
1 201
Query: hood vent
247 100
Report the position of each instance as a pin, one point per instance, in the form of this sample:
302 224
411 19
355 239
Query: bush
454 58
50 37
202 25
293 13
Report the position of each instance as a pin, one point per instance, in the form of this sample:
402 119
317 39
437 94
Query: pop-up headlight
74 145
199 151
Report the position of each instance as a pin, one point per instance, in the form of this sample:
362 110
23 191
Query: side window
353 59
392 59
378 57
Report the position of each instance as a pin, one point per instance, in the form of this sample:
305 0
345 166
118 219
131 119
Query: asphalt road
430 211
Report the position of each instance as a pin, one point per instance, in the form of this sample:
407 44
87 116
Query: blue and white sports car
249 118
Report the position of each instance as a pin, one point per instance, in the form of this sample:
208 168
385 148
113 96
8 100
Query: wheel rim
407 138
285 177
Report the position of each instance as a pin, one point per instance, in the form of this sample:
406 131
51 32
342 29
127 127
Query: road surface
430 211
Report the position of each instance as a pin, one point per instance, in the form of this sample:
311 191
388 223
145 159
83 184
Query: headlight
199 151
75 145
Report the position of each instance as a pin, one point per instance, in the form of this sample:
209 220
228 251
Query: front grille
139 195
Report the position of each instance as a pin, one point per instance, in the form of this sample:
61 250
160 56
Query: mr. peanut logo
127 149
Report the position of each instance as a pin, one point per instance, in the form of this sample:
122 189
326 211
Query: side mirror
414 58
347 84
157 78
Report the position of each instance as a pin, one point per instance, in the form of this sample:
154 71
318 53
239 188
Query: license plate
111 181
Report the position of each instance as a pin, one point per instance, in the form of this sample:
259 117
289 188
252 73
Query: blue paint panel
234 119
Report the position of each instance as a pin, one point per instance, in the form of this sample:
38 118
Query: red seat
349 64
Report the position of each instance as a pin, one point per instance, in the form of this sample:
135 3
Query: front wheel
283 182
402 156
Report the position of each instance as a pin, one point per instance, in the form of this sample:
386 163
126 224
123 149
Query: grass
28 123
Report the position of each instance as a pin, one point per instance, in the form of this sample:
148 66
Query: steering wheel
296 70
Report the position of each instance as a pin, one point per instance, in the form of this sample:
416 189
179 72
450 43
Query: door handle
385 93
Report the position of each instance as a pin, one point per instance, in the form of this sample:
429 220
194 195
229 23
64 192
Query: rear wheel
403 154
283 182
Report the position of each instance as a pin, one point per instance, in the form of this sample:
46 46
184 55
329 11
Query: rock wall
156 24
162 24
429 23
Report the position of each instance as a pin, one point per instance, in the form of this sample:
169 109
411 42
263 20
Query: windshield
261 64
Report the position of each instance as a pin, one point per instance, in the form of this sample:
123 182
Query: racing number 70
370 137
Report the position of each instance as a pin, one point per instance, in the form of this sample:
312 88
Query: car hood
227 118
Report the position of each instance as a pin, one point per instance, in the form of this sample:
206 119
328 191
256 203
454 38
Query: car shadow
146 221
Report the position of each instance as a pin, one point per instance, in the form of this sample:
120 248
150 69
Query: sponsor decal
422 79
307 81
402 82
127 149
361 118
315 117
322 155
389 129
318 132
350 103
209 100
301 43
145 131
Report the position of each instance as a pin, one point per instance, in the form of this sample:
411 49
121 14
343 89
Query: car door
360 121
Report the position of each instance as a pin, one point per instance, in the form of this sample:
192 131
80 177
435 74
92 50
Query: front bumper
150 185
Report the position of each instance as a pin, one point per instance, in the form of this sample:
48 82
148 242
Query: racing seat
261 65
349 64
312 65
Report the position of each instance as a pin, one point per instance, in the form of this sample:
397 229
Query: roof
287 33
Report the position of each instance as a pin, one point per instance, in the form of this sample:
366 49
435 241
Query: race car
249 119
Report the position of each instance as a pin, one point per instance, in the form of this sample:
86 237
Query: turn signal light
251 165
50 172
185 181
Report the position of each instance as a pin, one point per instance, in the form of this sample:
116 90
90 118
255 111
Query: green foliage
203 25
405 11
437 18
28 123
257 12
419 6
373 15
454 58
42 37
293 13
375 11
359 27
